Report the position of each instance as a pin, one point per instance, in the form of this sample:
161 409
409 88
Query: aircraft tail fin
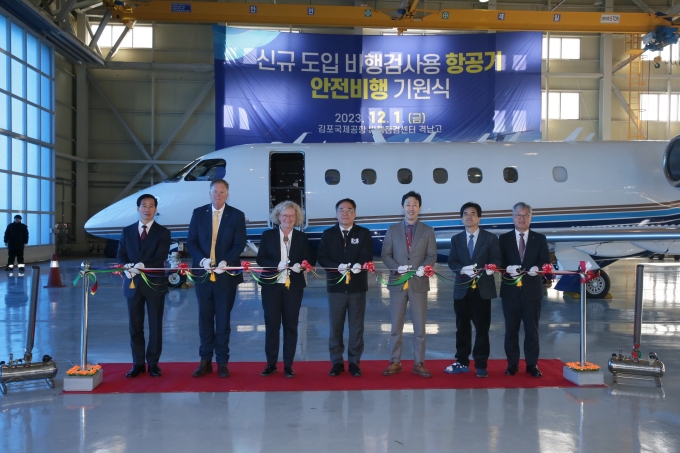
430 137
300 138
573 135
514 137
378 136
590 136
483 138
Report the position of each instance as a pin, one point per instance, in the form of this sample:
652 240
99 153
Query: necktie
409 237
345 233
215 227
143 235
471 244
522 246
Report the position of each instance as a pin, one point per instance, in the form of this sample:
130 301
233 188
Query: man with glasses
523 250
470 249
344 248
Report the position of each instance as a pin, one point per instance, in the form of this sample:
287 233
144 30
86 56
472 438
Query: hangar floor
635 416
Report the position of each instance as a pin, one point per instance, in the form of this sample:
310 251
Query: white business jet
596 201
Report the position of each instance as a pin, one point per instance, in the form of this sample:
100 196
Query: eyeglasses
287 216
345 211
522 216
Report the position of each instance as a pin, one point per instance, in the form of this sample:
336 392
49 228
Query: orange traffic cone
54 279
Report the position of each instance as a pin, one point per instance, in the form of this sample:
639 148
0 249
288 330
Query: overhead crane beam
368 17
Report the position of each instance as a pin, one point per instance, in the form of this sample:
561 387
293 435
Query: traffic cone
54 279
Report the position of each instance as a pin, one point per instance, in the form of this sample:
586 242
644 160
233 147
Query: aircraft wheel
175 280
598 287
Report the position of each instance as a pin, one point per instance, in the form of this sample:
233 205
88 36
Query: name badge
355 240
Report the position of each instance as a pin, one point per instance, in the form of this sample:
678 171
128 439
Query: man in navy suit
523 249
217 236
145 244
470 249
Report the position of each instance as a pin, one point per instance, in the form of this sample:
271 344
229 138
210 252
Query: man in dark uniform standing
16 237
346 247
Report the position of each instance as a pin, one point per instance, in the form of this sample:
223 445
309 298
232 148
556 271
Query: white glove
402 269
296 268
420 272
127 272
468 270
134 269
489 272
282 265
342 268
206 264
533 271
356 268
512 270
222 264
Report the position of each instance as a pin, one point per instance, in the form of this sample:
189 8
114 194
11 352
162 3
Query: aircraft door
287 179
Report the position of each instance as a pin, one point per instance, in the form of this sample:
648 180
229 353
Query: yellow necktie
215 227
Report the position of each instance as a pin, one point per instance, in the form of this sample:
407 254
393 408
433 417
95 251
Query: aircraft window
332 177
368 176
440 175
560 174
208 170
510 174
475 175
178 176
404 176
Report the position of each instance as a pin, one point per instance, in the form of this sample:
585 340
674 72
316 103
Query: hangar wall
152 101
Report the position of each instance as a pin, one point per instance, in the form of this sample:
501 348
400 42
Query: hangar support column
82 144
606 84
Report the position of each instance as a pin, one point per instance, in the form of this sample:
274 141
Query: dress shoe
155 371
288 372
354 370
511 371
204 368
457 367
223 371
135 371
420 370
394 368
534 371
268 370
338 368
481 372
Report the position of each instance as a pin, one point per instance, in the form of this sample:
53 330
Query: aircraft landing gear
598 288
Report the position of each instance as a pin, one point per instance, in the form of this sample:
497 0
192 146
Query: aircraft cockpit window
475 175
440 175
208 170
332 177
178 176
368 176
404 176
510 174
560 174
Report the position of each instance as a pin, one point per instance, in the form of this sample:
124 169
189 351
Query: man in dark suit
16 238
469 249
523 249
409 244
145 244
346 247
217 236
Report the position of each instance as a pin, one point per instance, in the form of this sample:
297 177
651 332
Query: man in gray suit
470 249
409 245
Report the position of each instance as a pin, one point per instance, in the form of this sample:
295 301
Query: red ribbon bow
490 267
117 266
547 268
370 267
183 267
245 265
306 266
429 271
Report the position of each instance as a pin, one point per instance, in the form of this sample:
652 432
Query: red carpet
313 376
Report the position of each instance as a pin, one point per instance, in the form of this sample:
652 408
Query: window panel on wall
45 195
18 193
32 160
33 122
4 153
4 191
32 50
46 93
17 41
3 34
18 156
45 126
4 63
663 107
45 229
33 224
142 37
32 86
17 78
674 107
33 194
569 106
46 162
4 111
18 109
45 59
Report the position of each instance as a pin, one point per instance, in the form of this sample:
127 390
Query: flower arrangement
90 370
576 366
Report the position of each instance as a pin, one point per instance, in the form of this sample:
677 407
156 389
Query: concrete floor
626 417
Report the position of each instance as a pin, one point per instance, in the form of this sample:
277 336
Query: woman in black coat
283 248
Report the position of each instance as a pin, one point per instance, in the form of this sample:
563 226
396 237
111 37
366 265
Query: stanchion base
83 383
583 377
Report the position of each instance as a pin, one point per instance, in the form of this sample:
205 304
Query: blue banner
273 86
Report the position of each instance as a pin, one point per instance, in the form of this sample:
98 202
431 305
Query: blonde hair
276 212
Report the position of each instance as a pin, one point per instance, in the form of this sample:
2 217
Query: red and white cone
54 279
